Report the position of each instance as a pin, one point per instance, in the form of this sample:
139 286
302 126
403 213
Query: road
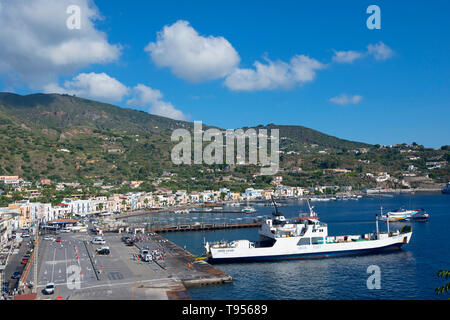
14 264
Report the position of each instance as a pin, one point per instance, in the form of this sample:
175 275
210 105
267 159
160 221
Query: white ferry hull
217 255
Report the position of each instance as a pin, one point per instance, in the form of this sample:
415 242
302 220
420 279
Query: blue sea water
410 273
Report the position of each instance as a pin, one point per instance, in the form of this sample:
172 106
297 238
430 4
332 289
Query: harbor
339 277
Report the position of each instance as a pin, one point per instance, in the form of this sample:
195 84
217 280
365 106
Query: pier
210 226
121 274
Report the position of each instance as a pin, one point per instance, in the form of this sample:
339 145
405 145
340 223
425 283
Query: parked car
103 251
24 261
49 288
16 275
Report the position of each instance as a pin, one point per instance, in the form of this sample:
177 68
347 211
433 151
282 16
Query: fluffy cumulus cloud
144 96
344 99
191 56
93 86
100 86
274 74
346 56
36 45
380 51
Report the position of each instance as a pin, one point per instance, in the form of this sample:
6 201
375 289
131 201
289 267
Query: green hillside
113 144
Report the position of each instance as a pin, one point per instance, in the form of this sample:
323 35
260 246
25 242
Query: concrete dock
79 273
210 226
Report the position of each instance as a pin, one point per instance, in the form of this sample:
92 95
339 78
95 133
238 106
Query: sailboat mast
378 232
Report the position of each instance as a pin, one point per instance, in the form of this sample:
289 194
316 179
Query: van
145 255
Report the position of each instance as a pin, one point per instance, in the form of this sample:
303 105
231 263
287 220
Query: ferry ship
402 214
302 238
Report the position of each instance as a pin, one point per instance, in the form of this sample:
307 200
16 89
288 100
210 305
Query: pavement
14 264
79 273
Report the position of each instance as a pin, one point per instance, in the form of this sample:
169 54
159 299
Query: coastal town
24 213
71 223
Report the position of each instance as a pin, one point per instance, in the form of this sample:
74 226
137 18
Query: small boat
248 210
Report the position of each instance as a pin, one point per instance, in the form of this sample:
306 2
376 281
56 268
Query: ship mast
387 219
276 213
376 220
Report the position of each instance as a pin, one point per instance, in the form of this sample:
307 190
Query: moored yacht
248 210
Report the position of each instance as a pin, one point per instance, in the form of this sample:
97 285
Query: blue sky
402 97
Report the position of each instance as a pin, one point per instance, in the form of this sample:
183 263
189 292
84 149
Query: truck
145 255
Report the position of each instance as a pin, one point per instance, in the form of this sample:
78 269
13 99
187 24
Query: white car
49 288
98 240
49 238
65 230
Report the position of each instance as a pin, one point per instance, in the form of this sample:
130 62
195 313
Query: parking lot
72 262
79 272
10 284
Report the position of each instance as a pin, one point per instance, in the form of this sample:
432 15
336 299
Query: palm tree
443 274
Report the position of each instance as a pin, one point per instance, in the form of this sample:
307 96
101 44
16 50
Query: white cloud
380 51
146 96
92 85
344 99
36 46
346 56
191 56
274 74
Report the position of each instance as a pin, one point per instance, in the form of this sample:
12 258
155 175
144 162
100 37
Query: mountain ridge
64 137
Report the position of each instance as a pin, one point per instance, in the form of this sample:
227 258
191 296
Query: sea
409 273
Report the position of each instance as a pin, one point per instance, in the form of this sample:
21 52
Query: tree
443 274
